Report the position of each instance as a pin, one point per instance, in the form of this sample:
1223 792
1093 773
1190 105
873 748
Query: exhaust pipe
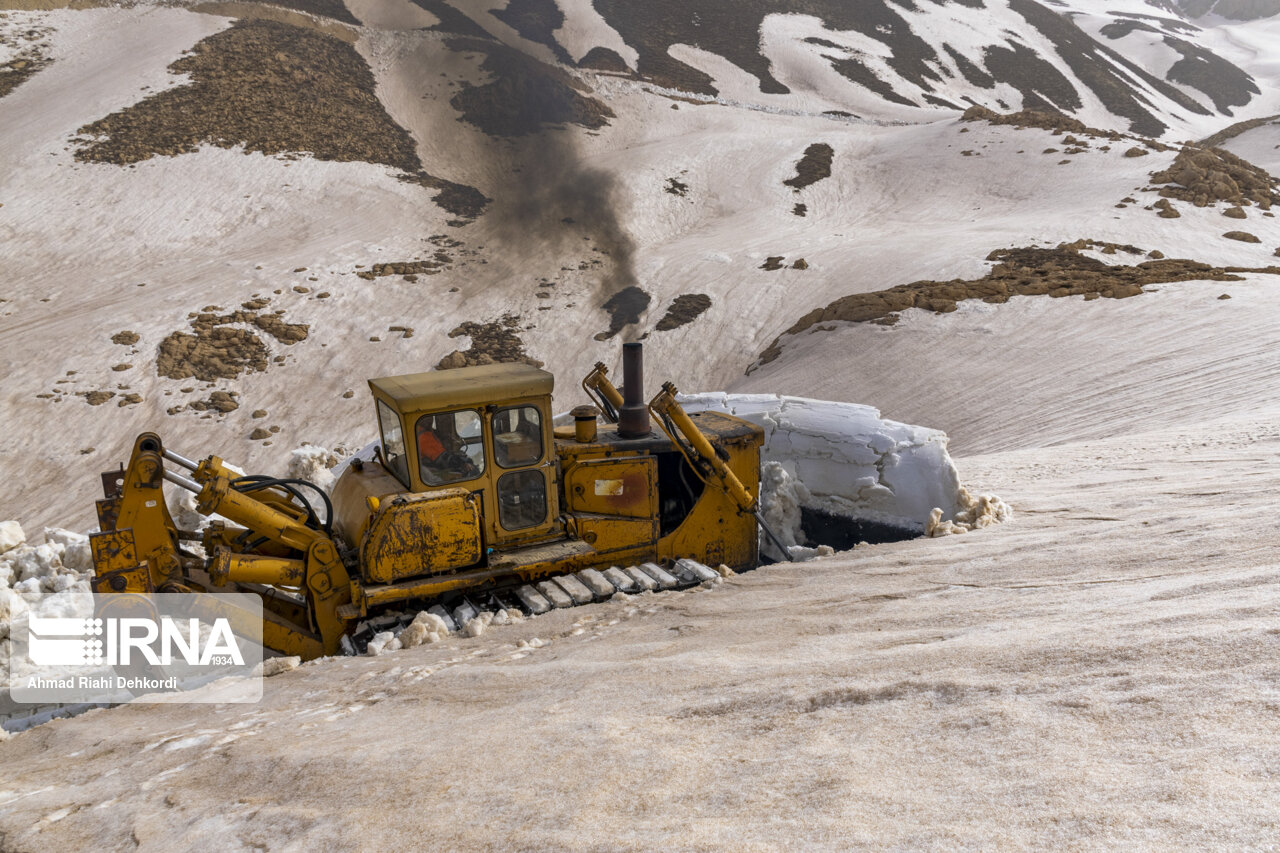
633 417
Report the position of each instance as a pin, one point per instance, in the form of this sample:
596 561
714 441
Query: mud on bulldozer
470 494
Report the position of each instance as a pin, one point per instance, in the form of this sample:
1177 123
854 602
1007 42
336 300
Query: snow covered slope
192 241
1100 672
1127 65
174 258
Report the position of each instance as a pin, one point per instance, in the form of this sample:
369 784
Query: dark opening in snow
842 533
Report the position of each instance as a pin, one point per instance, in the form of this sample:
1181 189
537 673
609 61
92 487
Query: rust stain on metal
423 534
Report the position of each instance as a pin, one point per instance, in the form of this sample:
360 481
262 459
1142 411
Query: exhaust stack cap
584 423
633 417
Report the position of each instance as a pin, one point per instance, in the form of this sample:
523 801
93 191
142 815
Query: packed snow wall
837 473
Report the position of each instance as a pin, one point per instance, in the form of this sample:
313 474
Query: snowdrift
845 461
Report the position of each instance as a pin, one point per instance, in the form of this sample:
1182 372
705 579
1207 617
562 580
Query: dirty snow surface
1099 671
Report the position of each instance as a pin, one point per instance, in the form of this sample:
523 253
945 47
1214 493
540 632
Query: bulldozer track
534 599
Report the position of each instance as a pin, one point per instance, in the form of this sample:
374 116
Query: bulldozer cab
486 430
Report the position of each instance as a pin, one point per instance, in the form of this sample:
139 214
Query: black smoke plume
553 198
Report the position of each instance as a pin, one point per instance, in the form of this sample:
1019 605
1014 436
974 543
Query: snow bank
61 563
845 459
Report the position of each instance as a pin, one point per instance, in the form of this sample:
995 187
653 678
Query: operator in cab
440 452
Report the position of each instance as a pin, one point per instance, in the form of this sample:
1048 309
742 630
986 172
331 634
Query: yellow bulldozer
471 495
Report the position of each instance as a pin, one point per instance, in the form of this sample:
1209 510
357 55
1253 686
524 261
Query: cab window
393 443
450 447
522 499
517 436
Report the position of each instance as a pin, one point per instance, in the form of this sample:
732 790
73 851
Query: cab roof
438 390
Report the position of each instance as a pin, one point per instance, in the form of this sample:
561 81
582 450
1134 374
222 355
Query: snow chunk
476 626
981 511
11 536
182 506
60 564
781 496
380 643
803 553
426 627
275 666
75 548
313 464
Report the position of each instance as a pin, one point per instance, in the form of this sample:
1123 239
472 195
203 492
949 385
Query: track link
558 593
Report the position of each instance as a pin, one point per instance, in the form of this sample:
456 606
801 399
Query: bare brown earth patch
465 202
625 308
603 59
814 166
15 72
1050 120
1205 176
1242 236
30 53
684 309
439 262
491 343
1057 272
221 402
1232 131
252 10
272 88
220 348
523 95
126 338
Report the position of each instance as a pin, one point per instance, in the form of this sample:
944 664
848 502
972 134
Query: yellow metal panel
287 639
625 486
465 386
377 596
716 531
113 550
608 534
421 534
134 579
